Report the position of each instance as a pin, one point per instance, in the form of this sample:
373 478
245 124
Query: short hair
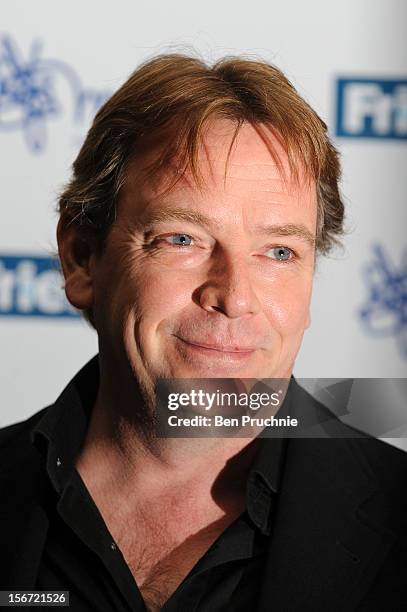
170 99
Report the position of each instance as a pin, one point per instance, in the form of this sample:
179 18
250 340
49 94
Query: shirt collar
263 482
60 433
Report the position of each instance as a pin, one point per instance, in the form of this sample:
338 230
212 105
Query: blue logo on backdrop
371 108
32 287
35 89
385 311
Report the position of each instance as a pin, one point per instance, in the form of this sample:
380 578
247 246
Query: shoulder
18 432
19 459
17 437
335 439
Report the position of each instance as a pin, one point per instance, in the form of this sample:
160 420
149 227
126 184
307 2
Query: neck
121 457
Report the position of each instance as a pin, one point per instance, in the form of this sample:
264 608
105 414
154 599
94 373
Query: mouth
234 354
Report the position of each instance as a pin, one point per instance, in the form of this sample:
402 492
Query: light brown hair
169 100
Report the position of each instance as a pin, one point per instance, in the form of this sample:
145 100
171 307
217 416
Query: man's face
230 277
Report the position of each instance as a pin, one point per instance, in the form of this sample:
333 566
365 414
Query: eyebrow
287 229
192 216
162 215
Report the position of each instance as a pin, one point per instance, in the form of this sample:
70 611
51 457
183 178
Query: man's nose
229 287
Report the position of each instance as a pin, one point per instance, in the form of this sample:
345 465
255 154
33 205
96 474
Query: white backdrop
58 60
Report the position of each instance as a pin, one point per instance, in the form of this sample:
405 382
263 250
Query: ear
77 262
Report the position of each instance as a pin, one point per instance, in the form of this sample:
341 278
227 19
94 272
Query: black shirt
80 555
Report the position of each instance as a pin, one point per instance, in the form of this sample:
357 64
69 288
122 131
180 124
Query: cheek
154 301
134 284
286 305
160 300
162 293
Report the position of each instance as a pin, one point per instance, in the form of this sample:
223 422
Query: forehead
250 164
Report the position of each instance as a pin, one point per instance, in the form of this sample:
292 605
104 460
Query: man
188 236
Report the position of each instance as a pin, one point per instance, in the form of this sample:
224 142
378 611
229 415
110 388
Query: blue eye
281 253
183 240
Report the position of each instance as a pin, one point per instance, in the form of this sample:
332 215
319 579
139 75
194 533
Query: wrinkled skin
225 285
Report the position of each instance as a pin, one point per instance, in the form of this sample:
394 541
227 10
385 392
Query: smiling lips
220 348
